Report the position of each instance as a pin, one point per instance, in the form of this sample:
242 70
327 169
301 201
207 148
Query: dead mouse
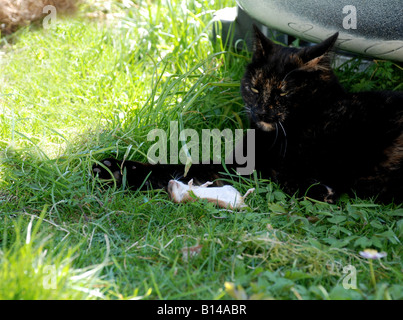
226 197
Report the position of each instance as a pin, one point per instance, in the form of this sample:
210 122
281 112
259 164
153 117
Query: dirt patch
18 13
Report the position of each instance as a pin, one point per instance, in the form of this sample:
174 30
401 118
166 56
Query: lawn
93 86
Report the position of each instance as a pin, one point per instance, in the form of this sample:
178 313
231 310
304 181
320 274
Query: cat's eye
283 89
254 90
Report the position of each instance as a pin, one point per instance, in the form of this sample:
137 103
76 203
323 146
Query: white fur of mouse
226 197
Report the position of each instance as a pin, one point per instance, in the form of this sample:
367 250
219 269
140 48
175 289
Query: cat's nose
259 115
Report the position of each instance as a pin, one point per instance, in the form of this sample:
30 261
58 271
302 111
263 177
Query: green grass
86 90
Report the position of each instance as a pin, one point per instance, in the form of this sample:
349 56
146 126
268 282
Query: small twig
134 244
219 217
48 221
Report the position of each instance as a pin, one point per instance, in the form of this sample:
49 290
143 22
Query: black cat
310 133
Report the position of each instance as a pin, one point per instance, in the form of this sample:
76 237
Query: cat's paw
323 193
108 170
114 171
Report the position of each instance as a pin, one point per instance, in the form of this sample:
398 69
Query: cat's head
280 79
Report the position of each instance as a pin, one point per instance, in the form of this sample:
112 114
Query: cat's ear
263 47
316 56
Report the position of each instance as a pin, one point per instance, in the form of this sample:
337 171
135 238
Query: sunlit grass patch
33 267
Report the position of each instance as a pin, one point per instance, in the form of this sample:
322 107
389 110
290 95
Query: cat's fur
310 133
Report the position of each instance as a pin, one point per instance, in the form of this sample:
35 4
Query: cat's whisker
245 112
284 141
282 128
275 138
